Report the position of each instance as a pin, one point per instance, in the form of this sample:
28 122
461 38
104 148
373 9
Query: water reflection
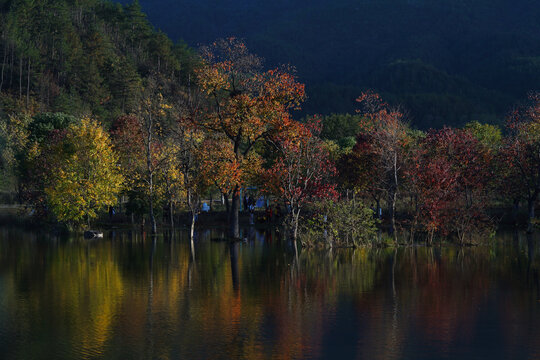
131 296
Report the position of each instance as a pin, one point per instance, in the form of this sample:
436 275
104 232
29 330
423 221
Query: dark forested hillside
80 57
446 61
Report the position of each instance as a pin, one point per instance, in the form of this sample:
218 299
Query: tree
245 105
386 131
521 153
13 143
435 186
190 141
83 176
487 134
152 115
342 129
43 123
302 172
360 173
41 130
128 141
450 173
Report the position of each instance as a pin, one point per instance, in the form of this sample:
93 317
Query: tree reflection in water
129 296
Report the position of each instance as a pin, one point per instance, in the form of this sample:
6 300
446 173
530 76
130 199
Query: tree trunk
393 217
152 215
3 67
530 206
192 245
296 218
391 208
234 216
150 172
193 220
20 77
11 69
515 212
171 214
225 198
393 198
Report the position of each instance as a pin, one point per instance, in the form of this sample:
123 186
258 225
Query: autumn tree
450 172
521 153
83 177
152 115
190 141
143 142
360 174
128 142
245 104
385 130
302 171
169 178
37 135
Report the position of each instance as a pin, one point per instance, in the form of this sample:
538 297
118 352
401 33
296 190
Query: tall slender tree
386 130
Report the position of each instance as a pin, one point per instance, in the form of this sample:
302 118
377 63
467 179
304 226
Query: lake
128 297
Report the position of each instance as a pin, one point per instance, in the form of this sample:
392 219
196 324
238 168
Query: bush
345 223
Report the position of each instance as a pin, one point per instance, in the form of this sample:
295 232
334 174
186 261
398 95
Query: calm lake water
126 297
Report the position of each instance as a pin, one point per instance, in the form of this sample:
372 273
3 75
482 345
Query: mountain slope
448 61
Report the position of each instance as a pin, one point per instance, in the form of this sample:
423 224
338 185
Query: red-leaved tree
521 155
451 172
303 170
385 131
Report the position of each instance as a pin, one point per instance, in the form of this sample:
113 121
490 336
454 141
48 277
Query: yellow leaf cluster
87 178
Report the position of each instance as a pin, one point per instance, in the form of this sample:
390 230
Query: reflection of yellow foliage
88 287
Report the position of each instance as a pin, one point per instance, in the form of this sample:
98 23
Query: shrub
345 223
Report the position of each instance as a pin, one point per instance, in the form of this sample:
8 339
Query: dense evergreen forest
81 57
447 61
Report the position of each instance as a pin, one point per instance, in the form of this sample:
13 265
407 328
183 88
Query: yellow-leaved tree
83 176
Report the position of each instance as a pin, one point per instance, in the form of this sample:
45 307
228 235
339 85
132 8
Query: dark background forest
446 61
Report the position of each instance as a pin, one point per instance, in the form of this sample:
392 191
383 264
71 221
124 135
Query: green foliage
42 124
488 135
340 126
13 142
345 223
340 130
83 57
